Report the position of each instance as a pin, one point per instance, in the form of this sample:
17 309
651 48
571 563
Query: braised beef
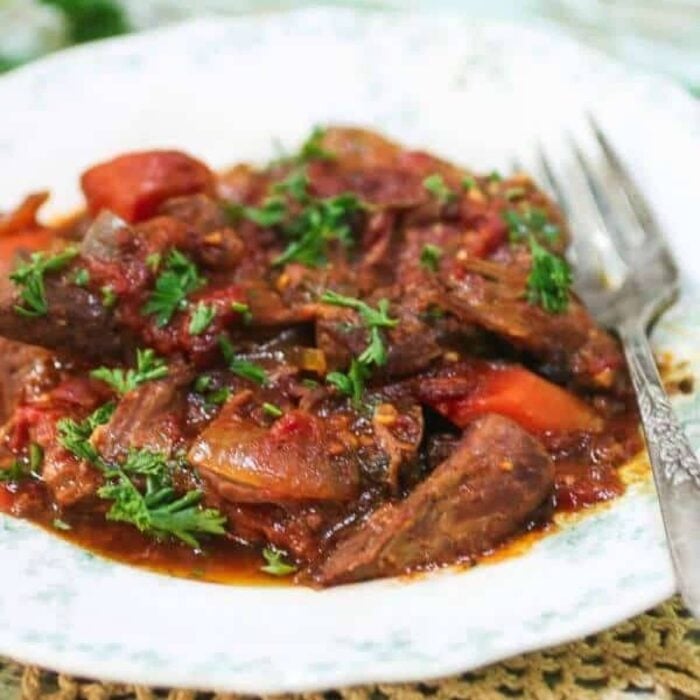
434 405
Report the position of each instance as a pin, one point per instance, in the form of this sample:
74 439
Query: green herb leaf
14 472
276 566
435 184
271 410
149 367
29 277
495 176
351 384
75 435
201 318
243 309
81 277
153 261
320 222
312 149
532 221
430 257
468 182
36 457
109 297
549 280
243 368
179 278
59 524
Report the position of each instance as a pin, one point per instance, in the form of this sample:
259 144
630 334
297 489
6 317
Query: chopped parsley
549 280
36 457
308 230
156 509
243 309
243 368
494 176
212 397
374 319
75 435
201 319
29 277
435 184
275 564
153 261
14 472
351 384
430 257
81 277
271 410
148 368
59 524
320 222
530 222
375 353
178 278
312 149
109 297
468 182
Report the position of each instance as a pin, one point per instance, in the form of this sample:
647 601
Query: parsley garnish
75 435
374 319
30 278
81 277
468 182
430 257
59 524
158 510
148 368
435 184
276 566
216 397
312 149
531 221
109 297
243 309
271 410
320 222
91 19
153 261
243 368
179 278
549 279
15 472
495 176
351 384
201 318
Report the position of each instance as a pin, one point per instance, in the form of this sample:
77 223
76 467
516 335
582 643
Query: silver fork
627 276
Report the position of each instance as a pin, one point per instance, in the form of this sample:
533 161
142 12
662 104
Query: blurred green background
658 35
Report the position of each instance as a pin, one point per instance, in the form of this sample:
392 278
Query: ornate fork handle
674 463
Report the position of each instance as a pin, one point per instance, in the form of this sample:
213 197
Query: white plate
222 89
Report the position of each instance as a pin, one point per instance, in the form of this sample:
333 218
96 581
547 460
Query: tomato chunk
134 185
513 391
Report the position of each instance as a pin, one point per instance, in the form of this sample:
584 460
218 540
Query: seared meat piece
149 417
484 492
411 346
571 344
77 322
25 370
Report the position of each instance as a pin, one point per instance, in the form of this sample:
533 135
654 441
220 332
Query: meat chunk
147 417
134 185
77 322
297 458
571 344
24 371
484 492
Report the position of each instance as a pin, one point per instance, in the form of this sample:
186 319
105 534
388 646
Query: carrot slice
535 403
134 185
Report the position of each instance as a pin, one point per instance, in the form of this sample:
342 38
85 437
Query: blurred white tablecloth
661 35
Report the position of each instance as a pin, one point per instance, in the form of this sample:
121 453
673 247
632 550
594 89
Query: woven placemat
655 655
